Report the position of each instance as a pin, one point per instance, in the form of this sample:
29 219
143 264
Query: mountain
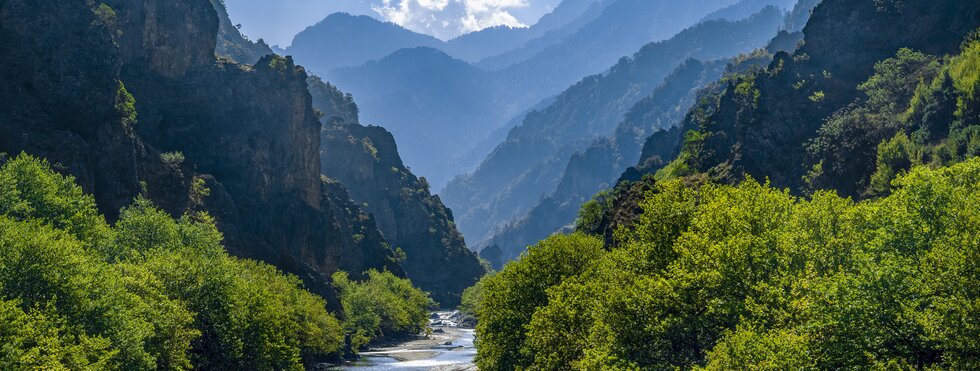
419 228
130 99
344 40
598 165
528 165
418 89
621 28
745 8
232 44
476 46
829 89
421 91
815 210
558 32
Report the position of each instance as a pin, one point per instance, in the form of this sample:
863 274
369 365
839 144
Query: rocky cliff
129 97
745 129
415 222
232 44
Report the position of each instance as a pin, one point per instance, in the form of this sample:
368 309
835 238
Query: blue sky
278 21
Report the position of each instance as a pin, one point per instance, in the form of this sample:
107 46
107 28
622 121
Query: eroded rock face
249 132
412 219
254 130
171 37
232 44
58 89
844 39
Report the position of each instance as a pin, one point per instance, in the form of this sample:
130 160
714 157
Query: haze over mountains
450 104
577 39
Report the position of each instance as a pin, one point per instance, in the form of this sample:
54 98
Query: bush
512 295
151 292
382 306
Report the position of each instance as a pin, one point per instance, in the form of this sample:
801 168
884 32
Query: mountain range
527 168
577 39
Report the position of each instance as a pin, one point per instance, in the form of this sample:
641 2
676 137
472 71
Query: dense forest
154 292
749 276
845 240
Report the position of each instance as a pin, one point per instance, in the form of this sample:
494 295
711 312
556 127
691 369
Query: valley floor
449 348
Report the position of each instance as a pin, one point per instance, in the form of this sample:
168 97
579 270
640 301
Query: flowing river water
449 348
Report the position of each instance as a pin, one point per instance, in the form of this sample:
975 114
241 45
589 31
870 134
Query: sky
278 21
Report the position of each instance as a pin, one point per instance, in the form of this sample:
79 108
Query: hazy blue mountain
532 47
745 8
475 46
343 40
428 101
468 106
483 201
622 27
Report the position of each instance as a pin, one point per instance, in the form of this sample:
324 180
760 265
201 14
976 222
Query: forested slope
859 251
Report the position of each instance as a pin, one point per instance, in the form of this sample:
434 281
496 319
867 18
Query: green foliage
907 108
894 157
172 160
590 216
29 190
105 16
513 294
125 106
472 298
149 293
382 306
750 277
894 83
747 349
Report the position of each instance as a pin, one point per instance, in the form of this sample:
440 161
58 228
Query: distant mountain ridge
344 40
459 100
430 101
503 188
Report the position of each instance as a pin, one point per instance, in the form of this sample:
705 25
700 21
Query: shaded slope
483 200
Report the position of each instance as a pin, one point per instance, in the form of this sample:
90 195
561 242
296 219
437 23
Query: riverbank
448 348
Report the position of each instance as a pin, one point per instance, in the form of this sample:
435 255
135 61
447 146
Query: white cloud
446 19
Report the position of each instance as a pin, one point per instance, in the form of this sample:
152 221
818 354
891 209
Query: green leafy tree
382 306
513 294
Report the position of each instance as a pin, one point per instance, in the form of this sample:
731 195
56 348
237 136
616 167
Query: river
449 348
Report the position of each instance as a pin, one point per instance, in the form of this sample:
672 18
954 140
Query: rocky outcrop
232 44
414 221
103 91
844 40
61 98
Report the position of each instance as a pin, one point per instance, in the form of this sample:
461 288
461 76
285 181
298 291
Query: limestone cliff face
170 37
249 132
254 129
412 219
58 91
844 39
232 44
